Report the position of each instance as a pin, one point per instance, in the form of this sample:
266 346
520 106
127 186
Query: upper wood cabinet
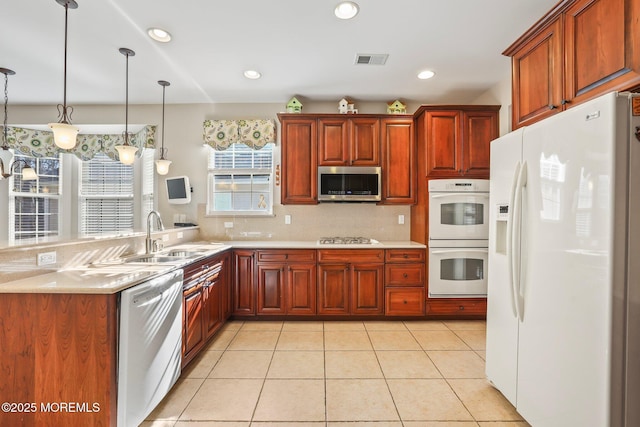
310 140
299 160
346 141
456 139
398 161
579 50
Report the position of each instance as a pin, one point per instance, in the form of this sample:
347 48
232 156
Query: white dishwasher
150 345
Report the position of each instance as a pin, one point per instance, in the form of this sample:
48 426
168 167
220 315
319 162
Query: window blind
240 180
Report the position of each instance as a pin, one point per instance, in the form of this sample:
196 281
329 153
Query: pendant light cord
5 143
66 26
126 104
164 88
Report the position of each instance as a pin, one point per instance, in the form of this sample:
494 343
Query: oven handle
441 195
453 251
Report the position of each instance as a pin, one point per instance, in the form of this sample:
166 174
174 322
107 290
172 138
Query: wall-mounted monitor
178 190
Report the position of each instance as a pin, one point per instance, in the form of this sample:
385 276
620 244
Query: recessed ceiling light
252 74
346 10
426 74
160 35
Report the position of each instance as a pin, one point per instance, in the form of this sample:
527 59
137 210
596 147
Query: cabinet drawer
410 274
287 255
350 255
404 301
405 255
457 306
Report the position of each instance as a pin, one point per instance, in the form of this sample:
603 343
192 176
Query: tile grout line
264 380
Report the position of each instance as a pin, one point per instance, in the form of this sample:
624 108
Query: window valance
220 134
39 143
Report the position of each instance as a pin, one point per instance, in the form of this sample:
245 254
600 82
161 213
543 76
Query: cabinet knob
404 302
461 308
565 102
552 107
405 275
405 255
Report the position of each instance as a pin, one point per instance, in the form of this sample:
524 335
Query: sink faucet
150 244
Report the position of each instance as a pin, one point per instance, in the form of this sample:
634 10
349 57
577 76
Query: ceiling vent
371 59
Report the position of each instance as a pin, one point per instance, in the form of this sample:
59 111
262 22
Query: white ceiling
299 46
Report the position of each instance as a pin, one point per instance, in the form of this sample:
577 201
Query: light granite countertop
115 276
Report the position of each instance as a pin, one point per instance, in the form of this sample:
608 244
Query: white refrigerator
563 314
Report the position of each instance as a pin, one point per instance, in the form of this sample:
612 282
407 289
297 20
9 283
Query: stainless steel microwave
349 184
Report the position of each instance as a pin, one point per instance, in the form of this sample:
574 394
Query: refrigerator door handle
517 238
510 256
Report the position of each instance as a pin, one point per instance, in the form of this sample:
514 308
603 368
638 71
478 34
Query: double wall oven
458 237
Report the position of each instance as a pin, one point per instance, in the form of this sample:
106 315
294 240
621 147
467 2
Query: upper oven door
458 216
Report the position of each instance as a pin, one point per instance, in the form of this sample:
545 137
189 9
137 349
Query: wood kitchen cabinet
344 141
299 160
577 51
243 282
457 139
350 281
310 140
286 281
203 303
404 280
398 161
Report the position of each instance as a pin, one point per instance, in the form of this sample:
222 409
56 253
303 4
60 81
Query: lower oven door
457 272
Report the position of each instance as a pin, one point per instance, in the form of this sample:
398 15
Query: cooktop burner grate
345 241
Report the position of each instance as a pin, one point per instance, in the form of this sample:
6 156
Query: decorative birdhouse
294 106
346 106
396 107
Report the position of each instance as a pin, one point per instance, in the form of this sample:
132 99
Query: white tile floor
334 373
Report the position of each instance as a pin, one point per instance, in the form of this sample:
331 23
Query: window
240 181
34 205
106 194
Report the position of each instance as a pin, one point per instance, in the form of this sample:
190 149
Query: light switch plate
401 219
287 219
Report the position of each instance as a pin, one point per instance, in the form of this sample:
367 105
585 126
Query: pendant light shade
162 164
64 133
126 151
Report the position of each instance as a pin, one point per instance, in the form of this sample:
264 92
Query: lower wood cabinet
206 285
461 307
286 282
243 282
351 281
405 280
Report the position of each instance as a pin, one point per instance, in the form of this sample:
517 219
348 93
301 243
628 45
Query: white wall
183 138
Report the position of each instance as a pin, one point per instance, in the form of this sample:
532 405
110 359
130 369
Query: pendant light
126 151
64 133
162 164
27 172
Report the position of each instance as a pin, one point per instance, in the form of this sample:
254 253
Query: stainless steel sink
153 259
183 253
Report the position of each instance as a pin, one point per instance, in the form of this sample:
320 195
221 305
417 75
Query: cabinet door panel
367 289
399 170
333 289
301 289
243 296
299 161
212 307
443 134
270 289
480 129
333 142
598 55
193 334
364 135
537 77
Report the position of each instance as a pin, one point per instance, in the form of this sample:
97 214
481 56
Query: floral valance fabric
220 134
39 143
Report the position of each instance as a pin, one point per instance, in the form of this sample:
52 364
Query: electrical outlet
287 219
401 219
165 237
228 224
180 235
47 258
